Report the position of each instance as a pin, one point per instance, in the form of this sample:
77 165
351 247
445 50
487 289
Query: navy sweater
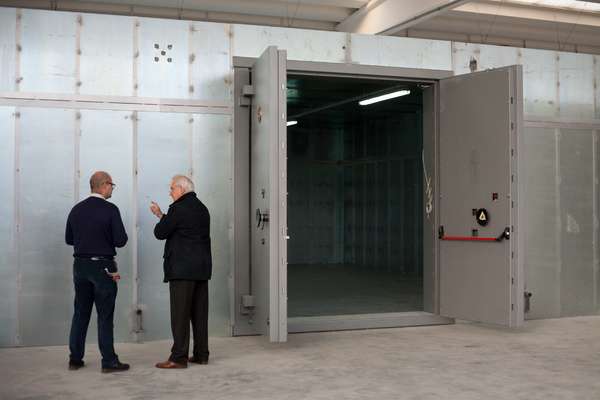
95 228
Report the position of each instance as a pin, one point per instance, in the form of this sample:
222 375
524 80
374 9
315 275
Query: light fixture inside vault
384 97
291 123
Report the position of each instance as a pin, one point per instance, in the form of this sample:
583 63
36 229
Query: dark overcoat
186 227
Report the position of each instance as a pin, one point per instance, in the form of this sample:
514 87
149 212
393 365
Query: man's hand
115 276
155 209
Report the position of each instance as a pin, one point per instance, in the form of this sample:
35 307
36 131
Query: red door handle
504 235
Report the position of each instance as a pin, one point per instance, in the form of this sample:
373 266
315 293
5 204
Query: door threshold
365 321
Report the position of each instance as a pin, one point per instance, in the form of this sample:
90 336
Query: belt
97 258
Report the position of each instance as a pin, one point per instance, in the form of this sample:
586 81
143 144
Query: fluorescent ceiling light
290 123
384 97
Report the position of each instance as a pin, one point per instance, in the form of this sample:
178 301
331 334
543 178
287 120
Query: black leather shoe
118 367
198 360
75 365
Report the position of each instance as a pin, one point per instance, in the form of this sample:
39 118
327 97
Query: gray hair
183 182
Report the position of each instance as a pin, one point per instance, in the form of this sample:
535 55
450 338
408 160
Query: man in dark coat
187 267
94 229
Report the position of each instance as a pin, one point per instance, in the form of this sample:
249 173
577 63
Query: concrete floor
340 289
548 359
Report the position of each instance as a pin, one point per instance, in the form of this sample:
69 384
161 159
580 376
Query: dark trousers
189 303
93 286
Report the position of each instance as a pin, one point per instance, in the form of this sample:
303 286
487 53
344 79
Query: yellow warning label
482 216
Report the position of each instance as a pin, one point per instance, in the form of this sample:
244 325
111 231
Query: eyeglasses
111 184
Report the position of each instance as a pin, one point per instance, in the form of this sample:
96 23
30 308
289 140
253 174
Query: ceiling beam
283 10
509 31
387 17
536 12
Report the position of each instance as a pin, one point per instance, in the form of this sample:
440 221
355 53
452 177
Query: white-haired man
187 267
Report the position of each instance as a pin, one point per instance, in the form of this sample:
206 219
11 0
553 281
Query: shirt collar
184 196
98 195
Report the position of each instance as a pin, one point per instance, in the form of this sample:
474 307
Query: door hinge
512 307
248 91
512 100
247 304
247 94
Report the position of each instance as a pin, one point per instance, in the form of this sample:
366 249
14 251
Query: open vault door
481 275
268 194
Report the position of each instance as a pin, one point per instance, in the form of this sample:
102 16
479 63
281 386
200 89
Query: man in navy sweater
94 229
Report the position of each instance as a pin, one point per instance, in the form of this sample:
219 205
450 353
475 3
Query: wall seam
17 224
136 313
17 179
595 217
137 329
76 156
136 57
232 274
18 50
79 22
557 110
557 177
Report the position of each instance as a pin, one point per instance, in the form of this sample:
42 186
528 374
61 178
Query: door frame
240 313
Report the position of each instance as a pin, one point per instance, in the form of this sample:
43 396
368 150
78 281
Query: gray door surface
481 275
268 192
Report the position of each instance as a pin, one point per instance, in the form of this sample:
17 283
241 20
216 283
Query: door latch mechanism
261 218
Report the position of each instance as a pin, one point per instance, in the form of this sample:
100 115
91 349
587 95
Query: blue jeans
93 286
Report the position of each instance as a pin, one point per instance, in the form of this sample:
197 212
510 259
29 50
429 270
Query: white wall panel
305 45
163 151
576 76
106 145
577 222
540 86
461 57
542 222
210 62
597 84
212 166
497 56
486 56
106 65
49 54
8 266
400 52
163 78
8 47
46 146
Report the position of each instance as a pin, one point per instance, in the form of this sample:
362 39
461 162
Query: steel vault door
481 275
268 194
